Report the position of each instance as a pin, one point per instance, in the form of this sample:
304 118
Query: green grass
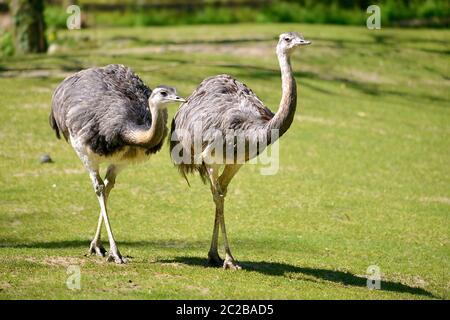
364 174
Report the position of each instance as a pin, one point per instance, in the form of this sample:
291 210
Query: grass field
364 172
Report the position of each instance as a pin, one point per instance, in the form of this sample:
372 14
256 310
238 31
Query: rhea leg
227 175
225 178
93 168
96 246
213 254
99 186
218 189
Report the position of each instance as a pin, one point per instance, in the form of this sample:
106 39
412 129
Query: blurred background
114 13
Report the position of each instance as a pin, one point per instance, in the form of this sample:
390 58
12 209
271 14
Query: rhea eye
287 39
164 94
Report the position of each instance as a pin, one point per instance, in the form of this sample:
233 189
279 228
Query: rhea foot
214 259
115 256
97 248
231 264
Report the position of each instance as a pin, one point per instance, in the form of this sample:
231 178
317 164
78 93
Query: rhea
222 105
110 116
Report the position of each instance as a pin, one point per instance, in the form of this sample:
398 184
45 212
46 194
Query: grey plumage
101 104
223 106
109 115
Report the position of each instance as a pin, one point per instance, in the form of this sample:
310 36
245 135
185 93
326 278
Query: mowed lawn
364 176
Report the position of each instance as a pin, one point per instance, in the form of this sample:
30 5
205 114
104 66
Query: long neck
150 137
285 114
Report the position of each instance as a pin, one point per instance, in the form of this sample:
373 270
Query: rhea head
162 95
289 41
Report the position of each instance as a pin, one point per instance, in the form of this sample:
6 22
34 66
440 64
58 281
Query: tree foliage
29 26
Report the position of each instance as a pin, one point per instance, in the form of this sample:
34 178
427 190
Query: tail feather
53 124
186 168
184 176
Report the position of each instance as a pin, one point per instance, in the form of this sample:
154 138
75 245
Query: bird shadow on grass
310 274
266 268
84 244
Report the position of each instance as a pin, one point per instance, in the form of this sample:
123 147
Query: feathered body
100 106
220 105
109 115
222 102
223 115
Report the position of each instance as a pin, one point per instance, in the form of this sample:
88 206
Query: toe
232 265
116 258
100 251
97 248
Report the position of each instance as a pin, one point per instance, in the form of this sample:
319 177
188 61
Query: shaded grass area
317 274
363 177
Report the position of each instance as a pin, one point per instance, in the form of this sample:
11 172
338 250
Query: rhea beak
302 42
177 99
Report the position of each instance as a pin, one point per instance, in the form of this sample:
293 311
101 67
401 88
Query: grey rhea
110 116
223 104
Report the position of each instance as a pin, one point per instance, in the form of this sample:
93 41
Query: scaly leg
114 254
213 254
229 262
228 173
96 246
225 178
93 168
218 188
